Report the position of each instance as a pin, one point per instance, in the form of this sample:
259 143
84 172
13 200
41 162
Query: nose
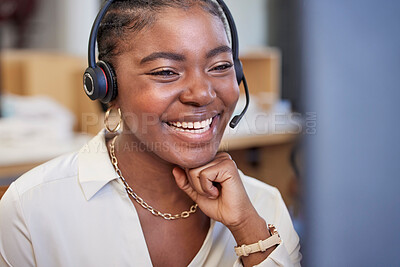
199 91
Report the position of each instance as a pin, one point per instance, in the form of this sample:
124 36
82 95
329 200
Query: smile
191 126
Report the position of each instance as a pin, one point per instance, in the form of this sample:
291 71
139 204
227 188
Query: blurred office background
330 75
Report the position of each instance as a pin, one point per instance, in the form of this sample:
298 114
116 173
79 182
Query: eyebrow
166 55
178 57
219 50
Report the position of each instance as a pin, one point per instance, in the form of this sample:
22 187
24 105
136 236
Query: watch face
272 229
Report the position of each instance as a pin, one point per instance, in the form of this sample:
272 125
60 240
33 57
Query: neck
149 176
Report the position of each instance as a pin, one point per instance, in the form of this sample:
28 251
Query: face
177 87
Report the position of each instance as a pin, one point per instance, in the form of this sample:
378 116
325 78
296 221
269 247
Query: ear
114 103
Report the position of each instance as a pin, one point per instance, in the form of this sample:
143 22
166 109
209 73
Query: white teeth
192 130
192 127
197 125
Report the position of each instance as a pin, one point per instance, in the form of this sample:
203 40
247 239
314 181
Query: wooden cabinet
59 76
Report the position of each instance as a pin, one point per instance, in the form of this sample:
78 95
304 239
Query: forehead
173 29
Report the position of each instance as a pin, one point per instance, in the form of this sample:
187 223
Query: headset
99 79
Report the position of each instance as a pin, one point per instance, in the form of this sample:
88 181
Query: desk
244 142
267 158
18 158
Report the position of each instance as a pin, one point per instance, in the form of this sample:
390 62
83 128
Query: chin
194 159
194 164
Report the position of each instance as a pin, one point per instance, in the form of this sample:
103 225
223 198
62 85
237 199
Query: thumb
183 183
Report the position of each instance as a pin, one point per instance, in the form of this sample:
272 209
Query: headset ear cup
238 70
95 83
112 90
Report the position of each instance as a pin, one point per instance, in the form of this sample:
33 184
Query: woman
188 206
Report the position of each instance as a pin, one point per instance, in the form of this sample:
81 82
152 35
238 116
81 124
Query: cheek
142 105
141 97
230 95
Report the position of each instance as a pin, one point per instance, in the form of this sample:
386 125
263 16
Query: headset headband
93 34
103 11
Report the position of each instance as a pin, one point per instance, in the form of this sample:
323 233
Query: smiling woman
158 193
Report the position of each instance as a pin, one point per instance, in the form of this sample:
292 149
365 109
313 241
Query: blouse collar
94 166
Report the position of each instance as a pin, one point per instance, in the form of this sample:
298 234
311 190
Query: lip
191 137
192 117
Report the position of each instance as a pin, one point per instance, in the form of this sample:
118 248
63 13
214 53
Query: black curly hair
132 16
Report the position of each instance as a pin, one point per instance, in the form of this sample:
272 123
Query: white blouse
74 211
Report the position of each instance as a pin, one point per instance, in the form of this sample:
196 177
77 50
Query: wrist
252 229
266 245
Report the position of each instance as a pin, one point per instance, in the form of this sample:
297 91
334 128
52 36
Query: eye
164 73
222 67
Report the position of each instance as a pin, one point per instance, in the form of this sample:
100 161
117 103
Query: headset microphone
237 64
235 120
99 79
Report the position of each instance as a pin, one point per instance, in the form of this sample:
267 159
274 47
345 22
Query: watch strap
261 245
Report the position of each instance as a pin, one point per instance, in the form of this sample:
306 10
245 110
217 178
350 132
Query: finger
183 183
206 182
203 184
225 170
189 178
226 158
223 155
194 180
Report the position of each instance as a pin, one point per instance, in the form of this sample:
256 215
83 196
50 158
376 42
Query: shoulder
32 188
265 198
53 171
259 191
27 206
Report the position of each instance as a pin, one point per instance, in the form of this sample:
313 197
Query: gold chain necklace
129 190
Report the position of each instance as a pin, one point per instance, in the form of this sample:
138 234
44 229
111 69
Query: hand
218 190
